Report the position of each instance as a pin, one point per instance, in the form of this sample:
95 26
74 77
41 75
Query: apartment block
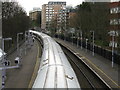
53 12
34 13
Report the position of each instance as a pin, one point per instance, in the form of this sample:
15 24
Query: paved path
21 78
101 65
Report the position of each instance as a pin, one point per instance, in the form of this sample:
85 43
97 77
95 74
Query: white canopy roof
1 53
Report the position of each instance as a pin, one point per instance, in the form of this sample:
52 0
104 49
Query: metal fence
12 49
97 49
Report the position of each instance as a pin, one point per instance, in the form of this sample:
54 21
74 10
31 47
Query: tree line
14 20
92 17
89 17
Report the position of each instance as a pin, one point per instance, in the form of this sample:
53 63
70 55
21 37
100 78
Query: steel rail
82 72
80 69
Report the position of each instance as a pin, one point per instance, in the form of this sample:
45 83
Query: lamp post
18 43
3 70
93 41
113 44
58 33
77 39
81 38
64 35
26 37
86 44
72 30
72 38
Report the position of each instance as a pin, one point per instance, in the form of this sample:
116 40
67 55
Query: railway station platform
99 64
24 76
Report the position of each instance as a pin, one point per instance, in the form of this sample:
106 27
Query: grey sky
29 4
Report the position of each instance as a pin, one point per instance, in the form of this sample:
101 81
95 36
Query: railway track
86 77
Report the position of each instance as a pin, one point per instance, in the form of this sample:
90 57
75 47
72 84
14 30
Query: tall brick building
53 11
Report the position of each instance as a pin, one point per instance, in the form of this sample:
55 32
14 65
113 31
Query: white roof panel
55 70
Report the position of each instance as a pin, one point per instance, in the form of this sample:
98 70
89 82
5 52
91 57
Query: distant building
97 0
44 15
115 21
34 13
53 11
72 15
62 19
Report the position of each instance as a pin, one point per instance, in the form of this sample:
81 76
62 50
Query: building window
46 15
50 17
50 10
114 21
115 10
47 10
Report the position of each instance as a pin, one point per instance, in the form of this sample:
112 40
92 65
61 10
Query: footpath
24 76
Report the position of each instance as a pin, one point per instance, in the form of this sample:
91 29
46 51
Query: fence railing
12 49
97 49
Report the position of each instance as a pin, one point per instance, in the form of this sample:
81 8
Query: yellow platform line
97 68
35 68
102 71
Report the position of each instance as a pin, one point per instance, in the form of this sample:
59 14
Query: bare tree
14 20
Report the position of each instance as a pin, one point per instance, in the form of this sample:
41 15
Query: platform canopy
1 54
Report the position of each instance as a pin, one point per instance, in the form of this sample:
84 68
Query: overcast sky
29 4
